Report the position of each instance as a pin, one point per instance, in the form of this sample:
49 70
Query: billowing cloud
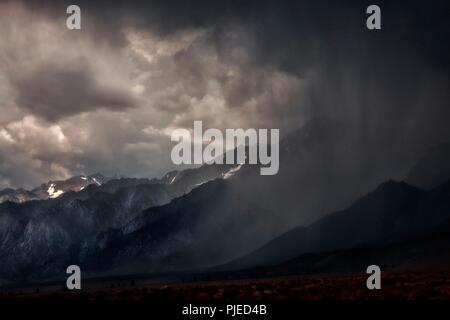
53 92
32 151
107 97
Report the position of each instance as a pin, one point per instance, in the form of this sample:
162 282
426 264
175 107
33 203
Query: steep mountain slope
321 160
44 235
208 226
102 227
40 235
18 195
428 252
184 181
393 212
52 189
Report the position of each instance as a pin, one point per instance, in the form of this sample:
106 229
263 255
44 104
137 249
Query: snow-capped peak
52 193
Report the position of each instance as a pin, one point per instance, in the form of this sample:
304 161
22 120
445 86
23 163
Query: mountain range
392 213
51 189
39 237
224 217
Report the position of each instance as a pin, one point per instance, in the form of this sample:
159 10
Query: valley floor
395 286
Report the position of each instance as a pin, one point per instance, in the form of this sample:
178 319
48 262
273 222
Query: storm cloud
53 92
106 98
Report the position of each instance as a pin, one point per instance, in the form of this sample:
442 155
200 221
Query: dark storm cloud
285 31
300 37
55 91
248 63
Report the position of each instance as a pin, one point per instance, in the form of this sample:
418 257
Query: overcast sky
106 98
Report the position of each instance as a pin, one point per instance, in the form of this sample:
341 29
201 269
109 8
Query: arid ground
395 286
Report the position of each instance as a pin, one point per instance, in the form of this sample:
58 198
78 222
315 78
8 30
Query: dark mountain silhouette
197 218
36 237
393 212
208 226
314 165
39 238
427 252
289 197
52 189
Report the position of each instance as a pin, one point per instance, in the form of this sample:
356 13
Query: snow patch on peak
231 172
203 182
96 181
173 179
52 193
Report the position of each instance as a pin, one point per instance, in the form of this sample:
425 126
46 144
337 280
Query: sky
107 97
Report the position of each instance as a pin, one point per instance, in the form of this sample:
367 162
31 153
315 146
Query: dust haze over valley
355 108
